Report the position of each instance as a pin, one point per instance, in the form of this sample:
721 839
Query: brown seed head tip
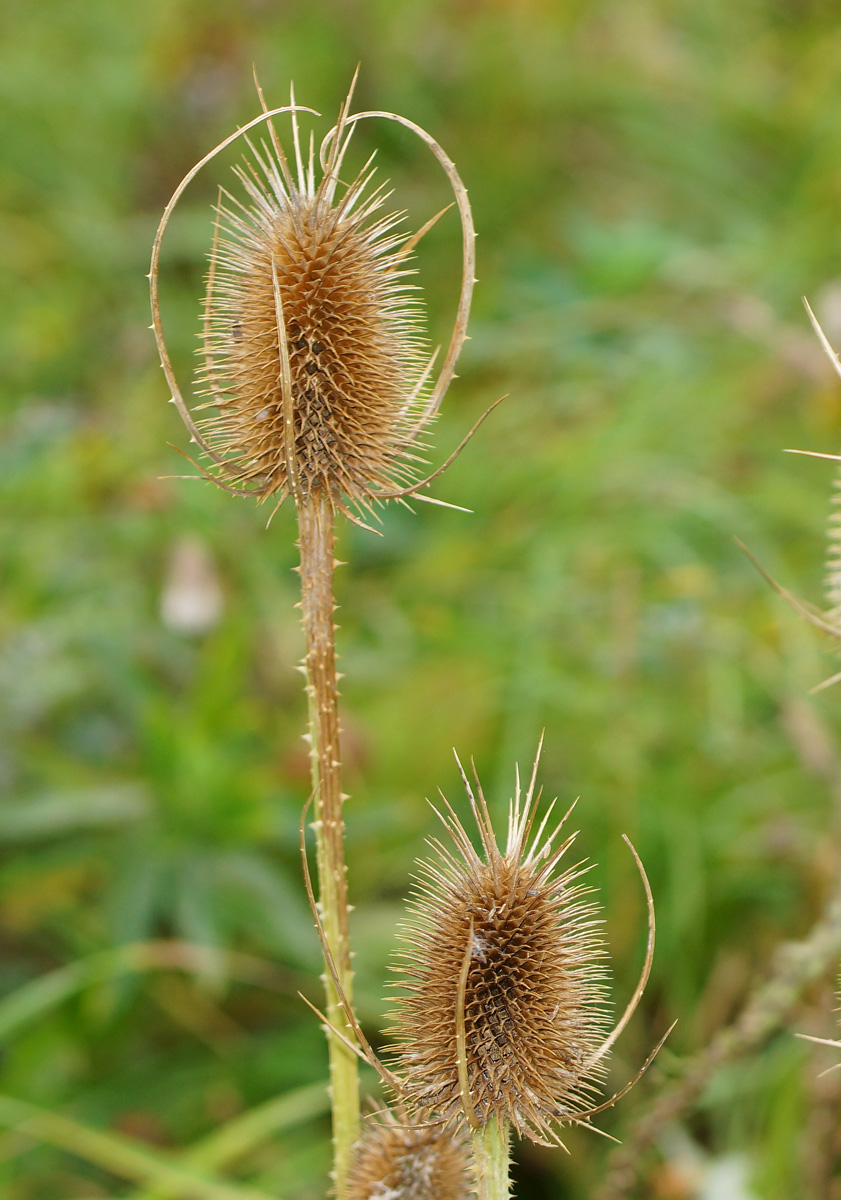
502 1009
315 374
394 1160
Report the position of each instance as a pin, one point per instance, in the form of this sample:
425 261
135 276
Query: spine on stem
316 542
491 1156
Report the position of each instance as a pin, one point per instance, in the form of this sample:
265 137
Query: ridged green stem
315 526
491 1158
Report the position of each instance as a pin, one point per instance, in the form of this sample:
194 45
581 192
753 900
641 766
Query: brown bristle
396 1161
501 1014
300 274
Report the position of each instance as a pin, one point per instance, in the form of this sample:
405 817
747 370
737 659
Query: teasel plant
400 1159
316 385
829 620
501 1024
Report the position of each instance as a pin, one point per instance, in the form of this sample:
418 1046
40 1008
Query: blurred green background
655 186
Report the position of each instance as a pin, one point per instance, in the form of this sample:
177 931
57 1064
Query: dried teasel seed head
501 1014
315 376
328 276
395 1160
502 1011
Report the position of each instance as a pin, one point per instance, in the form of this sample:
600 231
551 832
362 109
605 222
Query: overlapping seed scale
403 1161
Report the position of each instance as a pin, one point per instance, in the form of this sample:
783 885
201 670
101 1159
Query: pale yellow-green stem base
491 1157
315 523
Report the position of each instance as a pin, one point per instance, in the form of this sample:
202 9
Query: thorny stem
491 1155
315 527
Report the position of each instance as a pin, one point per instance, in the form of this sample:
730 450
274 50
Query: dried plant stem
316 538
491 1157
798 964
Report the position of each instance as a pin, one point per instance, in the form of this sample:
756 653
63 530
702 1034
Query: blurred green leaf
240 1135
33 999
116 1154
63 812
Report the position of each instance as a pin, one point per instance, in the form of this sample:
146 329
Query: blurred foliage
656 183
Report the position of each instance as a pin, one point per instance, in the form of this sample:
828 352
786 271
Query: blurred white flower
703 1176
727 1178
191 599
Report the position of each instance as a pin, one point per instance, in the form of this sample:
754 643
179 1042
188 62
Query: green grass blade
117 1154
243 1133
240 1135
38 996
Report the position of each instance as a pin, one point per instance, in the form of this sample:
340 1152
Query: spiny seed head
314 362
300 276
397 1161
315 378
502 1006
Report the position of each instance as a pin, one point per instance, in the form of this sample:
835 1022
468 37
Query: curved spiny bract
394 1160
329 281
501 1014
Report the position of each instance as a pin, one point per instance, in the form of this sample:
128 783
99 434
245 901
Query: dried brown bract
394 1160
316 380
502 1014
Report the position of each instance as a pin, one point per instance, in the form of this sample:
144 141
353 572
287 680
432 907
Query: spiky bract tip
502 1006
394 1160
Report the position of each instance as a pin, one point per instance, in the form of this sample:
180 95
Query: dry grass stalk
767 1010
315 384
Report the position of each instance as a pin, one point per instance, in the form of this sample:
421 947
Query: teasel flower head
315 377
502 1013
397 1160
